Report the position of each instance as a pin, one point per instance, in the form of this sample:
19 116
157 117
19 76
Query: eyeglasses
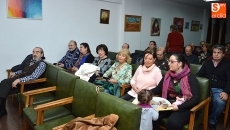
171 61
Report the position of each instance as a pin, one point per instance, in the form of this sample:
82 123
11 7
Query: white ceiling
201 3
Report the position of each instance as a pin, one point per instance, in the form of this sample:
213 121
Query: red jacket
176 42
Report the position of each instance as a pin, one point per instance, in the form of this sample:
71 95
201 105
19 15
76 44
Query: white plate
158 99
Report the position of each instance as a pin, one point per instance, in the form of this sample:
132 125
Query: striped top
70 58
36 74
104 64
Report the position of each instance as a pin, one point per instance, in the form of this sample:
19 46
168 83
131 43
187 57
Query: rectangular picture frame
132 23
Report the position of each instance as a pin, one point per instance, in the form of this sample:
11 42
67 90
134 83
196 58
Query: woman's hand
74 68
60 65
113 81
174 107
97 73
136 89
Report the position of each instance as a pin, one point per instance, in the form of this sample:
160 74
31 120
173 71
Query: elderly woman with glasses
147 76
177 83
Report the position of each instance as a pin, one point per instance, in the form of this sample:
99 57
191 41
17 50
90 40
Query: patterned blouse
104 64
123 75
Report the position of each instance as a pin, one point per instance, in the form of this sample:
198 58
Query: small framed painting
104 16
132 23
186 25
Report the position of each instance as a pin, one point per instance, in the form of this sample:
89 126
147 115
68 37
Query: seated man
161 60
33 70
217 71
125 46
71 56
192 58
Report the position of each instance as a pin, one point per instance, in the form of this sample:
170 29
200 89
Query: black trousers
6 87
176 119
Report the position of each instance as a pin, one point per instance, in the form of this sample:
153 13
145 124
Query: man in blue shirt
70 57
33 70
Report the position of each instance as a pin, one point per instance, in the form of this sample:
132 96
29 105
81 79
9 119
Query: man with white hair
125 46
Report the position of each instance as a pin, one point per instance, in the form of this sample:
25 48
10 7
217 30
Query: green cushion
163 72
31 115
85 98
38 99
129 114
51 74
53 123
134 66
112 55
65 85
194 68
139 51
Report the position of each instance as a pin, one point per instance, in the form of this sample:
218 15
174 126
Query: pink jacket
145 78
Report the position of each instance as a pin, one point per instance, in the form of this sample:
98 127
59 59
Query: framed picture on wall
195 25
155 27
29 9
179 22
132 23
186 25
104 16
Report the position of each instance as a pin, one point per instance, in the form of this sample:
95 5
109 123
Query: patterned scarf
184 84
79 59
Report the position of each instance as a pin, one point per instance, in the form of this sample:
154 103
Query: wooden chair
226 110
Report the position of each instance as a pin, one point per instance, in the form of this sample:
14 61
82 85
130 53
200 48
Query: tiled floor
13 122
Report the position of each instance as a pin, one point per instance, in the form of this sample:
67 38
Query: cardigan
104 64
86 59
187 105
70 58
145 80
122 75
218 76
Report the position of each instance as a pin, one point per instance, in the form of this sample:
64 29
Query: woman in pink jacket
147 76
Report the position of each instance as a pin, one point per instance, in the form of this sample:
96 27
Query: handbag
114 89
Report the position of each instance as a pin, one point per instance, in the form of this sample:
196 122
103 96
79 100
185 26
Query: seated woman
178 82
84 57
147 76
119 73
70 57
101 61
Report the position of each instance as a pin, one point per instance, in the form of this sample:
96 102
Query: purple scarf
144 105
184 83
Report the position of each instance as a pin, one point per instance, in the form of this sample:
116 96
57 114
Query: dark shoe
212 126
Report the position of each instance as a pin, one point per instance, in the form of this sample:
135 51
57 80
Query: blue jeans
218 105
107 91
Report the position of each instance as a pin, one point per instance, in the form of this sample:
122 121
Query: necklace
118 67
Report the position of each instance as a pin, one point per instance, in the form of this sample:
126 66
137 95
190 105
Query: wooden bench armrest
22 85
205 104
125 85
40 108
200 105
8 72
29 94
40 80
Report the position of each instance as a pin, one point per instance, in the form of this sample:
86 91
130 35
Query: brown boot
3 111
